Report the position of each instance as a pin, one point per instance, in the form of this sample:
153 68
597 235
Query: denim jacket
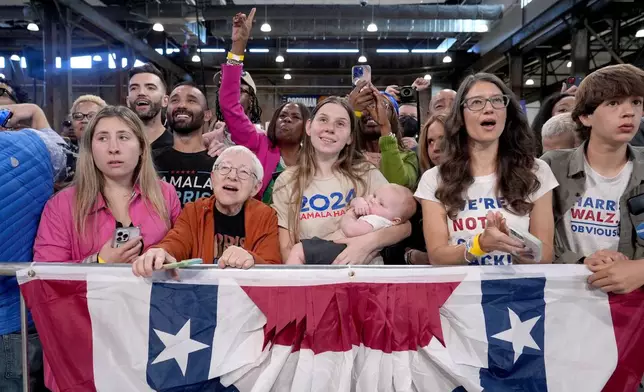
568 168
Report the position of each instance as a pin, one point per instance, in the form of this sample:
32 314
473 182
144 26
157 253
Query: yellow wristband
475 248
357 113
100 260
232 56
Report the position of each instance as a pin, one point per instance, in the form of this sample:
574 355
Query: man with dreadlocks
279 147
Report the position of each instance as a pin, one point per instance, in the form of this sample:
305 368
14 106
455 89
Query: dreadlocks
255 112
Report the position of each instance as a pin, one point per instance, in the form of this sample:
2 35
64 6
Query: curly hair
516 179
544 114
271 132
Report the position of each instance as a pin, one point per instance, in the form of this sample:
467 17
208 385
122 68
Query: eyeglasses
477 104
8 93
78 116
242 173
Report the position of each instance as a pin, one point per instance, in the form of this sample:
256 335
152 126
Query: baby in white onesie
390 205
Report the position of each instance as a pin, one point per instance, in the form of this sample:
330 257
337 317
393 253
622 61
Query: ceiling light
362 59
372 28
266 28
320 50
640 33
569 64
158 27
529 82
258 50
196 58
447 59
392 50
2 76
279 58
211 50
32 27
23 62
97 58
482 28
14 57
287 76
427 77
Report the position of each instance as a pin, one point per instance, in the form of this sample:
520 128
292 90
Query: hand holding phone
5 116
360 72
532 243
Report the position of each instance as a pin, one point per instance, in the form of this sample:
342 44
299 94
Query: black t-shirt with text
163 141
229 230
189 173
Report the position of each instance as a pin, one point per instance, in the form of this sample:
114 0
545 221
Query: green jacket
267 197
398 167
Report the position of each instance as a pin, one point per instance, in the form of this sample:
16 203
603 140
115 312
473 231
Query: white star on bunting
178 347
519 334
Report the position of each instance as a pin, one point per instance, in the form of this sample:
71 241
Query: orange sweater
193 234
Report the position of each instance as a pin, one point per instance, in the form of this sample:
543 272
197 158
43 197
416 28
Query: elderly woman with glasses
83 111
229 228
488 185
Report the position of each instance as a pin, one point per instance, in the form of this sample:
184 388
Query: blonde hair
88 98
90 182
351 164
425 162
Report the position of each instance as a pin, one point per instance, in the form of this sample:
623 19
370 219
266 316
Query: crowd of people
345 183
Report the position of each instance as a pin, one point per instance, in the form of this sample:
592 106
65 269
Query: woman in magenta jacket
280 146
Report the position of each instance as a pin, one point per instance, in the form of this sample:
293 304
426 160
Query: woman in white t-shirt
311 197
488 183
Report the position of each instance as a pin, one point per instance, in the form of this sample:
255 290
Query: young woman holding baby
312 198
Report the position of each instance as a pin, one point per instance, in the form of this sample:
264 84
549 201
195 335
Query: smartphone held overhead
360 72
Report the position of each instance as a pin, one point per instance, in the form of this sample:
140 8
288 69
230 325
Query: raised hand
242 25
361 96
379 111
421 84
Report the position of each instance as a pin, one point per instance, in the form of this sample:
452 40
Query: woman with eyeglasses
230 228
488 183
83 111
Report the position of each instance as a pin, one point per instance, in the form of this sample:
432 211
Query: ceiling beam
93 16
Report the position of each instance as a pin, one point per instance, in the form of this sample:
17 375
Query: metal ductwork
301 28
334 12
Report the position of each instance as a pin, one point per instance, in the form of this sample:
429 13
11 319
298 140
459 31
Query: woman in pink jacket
115 187
280 146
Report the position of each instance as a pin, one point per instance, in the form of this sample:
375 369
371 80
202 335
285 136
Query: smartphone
360 72
183 263
530 241
123 235
573 81
636 204
5 115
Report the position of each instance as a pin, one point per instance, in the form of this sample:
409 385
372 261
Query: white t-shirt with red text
324 202
481 198
592 223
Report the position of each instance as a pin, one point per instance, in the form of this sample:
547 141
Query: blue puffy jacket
26 183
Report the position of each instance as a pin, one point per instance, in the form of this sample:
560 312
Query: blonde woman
83 111
115 186
311 198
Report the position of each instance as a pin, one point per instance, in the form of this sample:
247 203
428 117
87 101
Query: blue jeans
11 363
